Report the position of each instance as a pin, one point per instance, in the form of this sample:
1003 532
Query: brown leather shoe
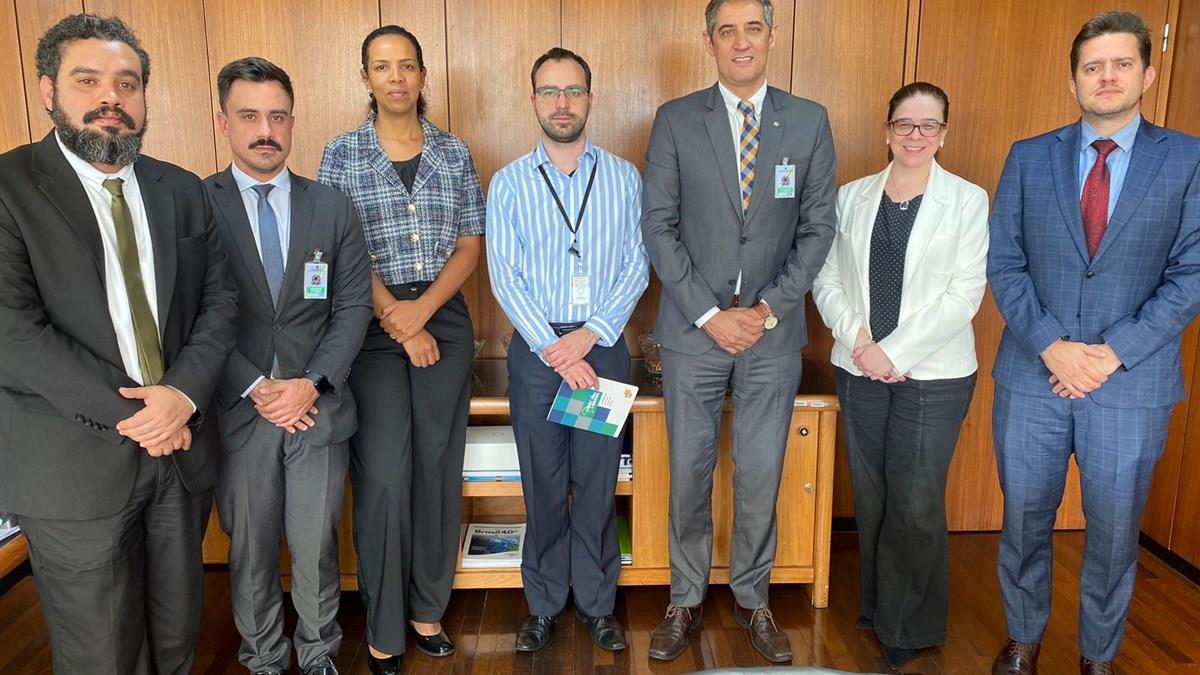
1089 667
1017 658
765 636
670 636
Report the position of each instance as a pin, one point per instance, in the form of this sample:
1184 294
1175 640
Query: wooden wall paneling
14 113
34 17
1159 516
643 54
490 47
1005 67
1183 445
848 55
330 96
178 109
425 19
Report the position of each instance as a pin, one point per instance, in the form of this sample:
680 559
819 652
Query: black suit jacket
321 336
60 367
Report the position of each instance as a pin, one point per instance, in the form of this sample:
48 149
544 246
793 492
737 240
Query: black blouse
407 170
889 244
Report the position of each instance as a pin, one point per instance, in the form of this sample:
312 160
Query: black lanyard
582 207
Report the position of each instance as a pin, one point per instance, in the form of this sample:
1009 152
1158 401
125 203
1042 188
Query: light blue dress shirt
528 245
1117 162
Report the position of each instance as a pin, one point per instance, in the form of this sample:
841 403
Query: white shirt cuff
706 316
253 385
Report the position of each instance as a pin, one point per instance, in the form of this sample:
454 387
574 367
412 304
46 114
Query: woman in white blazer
901 284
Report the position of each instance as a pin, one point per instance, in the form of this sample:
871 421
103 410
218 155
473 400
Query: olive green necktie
145 331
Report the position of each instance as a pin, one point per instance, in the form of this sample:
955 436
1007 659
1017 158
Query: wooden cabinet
804 507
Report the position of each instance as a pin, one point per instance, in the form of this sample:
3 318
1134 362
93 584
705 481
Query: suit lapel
431 159
377 158
1144 163
233 218
717 123
1064 163
57 180
770 138
926 223
302 218
159 202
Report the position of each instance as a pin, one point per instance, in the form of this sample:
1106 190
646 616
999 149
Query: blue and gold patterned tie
747 151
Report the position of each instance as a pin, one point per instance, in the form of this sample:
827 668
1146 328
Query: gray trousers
565 549
899 441
764 392
122 595
273 484
406 469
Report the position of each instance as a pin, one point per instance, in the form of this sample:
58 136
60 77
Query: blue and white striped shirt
528 245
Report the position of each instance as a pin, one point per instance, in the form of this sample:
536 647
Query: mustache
269 142
108 111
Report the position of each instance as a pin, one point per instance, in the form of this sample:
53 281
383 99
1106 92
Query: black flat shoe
388 666
534 633
864 623
896 657
606 632
434 645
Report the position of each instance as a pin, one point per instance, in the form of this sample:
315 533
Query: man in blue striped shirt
567 265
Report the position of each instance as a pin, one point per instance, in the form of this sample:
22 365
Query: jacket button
1089 275
744 240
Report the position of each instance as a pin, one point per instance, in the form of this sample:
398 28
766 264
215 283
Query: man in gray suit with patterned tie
737 217
298 257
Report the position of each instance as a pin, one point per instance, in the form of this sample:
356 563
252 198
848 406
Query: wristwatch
318 381
769 318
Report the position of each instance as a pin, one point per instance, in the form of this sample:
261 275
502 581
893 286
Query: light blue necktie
268 235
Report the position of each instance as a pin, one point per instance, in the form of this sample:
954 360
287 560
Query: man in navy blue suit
1095 266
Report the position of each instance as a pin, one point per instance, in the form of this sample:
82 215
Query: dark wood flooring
1163 635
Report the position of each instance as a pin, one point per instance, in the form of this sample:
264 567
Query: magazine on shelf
495 545
624 540
602 410
625 468
491 454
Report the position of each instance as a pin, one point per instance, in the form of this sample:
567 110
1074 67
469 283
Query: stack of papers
625 469
491 455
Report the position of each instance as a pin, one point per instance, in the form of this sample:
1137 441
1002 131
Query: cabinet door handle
803 431
810 488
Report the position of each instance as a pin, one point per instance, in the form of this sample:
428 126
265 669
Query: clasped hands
288 404
565 356
1077 368
404 321
161 425
872 361
735 329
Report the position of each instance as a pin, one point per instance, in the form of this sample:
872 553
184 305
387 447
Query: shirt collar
541 157
281 181
731 99
1124 137
88 173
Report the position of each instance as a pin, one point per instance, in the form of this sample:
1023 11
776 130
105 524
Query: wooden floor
1163 635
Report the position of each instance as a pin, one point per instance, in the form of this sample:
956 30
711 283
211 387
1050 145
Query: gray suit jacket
697 236
321 336
60 367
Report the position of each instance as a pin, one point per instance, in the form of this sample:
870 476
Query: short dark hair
560 54
920 89
392 29
1112 22
710 14
252 69
85 27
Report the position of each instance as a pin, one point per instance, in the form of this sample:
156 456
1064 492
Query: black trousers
406 470
899 441
576 548
122 595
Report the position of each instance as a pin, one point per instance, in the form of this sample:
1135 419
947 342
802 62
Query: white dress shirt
735 127
114 280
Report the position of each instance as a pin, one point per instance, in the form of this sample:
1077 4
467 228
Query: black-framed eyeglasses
573 92
928 128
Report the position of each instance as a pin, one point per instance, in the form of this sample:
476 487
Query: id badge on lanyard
581 282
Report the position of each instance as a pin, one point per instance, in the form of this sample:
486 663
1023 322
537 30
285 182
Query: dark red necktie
1094 203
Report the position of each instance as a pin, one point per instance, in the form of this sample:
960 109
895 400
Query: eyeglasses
573 92
905 127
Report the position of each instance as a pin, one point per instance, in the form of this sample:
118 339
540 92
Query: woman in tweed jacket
418 196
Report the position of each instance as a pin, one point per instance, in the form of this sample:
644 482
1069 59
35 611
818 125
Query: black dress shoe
606 631
896 657
388 666
864 623
327 669
534 633
435 645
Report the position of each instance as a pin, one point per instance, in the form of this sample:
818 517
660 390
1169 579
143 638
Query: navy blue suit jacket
1138 293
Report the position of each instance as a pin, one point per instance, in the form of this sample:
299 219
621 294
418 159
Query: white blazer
945 271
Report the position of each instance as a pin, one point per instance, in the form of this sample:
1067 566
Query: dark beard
96 147
570 135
